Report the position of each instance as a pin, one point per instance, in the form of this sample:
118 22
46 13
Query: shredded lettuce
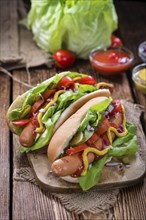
122 146
76 25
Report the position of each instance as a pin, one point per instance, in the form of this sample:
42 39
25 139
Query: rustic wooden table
22 200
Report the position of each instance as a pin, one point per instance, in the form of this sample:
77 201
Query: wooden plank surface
4 148
27 202
9 33
132 30
131 201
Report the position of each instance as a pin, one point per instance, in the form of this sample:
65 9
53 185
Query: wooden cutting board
110 177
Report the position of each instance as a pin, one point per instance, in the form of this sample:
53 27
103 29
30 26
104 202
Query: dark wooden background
21 201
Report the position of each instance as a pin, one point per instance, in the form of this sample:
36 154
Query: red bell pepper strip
86 80
21 122
76 149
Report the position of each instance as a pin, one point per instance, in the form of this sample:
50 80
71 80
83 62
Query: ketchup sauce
111 61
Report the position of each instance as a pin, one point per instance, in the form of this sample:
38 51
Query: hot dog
84 139
36 114
68 165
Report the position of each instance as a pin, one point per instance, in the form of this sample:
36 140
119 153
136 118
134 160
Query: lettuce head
76 25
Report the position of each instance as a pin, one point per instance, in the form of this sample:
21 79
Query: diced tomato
114 125
21 122
105 124
117 107
86 80
34 123
48 93
98 144
65 82
93 139
76 149
37 105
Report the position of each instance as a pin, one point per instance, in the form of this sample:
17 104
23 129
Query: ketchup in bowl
111 61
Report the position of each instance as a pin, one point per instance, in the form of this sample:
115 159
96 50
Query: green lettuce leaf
86 88
76 25
67 98
129 148
93 174
131 132
49 113
93 115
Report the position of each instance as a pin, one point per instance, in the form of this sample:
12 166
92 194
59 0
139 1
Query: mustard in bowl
139 77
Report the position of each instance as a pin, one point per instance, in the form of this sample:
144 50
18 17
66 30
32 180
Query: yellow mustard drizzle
25 111
85 158
77 78
104 84
112 129
41 127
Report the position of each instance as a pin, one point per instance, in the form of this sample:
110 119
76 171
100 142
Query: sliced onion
119 130
89 128
127 165
112 164
55 104
42 110
63 88
106 115
110 108
120 167
41 96
48 100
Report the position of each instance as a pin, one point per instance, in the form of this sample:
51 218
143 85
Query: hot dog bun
16 104
70 179
66 131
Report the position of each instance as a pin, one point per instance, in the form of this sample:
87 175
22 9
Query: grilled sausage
26 137
68 165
